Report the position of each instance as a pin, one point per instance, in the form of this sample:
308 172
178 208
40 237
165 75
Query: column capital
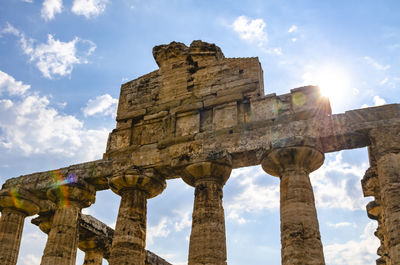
20 200
44 221
79 193
296 158
147 180
93 243
216 171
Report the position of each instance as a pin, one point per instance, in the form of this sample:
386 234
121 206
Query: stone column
385 148
207 239
16 204
300 236
134 186
62 241
370 187
93 253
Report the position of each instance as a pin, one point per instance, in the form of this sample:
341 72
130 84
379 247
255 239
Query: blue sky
62 63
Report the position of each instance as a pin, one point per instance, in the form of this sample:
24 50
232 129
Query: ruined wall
197 117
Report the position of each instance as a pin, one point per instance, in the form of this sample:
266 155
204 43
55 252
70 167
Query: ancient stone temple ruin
197 117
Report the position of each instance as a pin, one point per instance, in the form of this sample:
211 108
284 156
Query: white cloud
28 1
184 220
353 252
274 51
54 58
253 197
384 81
159 230
30 260
293 39
337 184
30 125
363 106
250 30
342 224
103 105
9 29
375 64
378 101
278 51
12 87
292 29
50 8
89 8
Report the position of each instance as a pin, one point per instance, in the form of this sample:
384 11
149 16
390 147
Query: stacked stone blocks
197 117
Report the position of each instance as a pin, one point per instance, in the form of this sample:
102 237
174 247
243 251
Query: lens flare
59 184
15 198
333 80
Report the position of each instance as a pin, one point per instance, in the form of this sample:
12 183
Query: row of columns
300 236
299 225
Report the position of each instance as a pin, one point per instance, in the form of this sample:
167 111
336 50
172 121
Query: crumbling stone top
177 51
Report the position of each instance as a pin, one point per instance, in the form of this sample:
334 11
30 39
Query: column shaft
93 258
300 236
207 239
63 237
128 246
389 182
11 226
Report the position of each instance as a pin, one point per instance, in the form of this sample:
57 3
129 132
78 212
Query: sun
333 81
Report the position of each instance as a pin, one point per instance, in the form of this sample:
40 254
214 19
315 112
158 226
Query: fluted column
62 241
300 236
207 239
386 150
16 204
135 187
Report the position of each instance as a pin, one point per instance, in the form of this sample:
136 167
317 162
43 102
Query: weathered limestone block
15 205
94 172
134 186
370 186
184 97
207 239
225 116
300 236
63 238
187 123
386 150
197 102
153 259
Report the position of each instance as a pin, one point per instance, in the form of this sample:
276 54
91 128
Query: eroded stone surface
200 107
207 239
16 204
134 186
300 236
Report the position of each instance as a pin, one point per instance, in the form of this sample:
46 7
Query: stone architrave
176 119
386 150
300 236
134 186
62 241
207 239
16 204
